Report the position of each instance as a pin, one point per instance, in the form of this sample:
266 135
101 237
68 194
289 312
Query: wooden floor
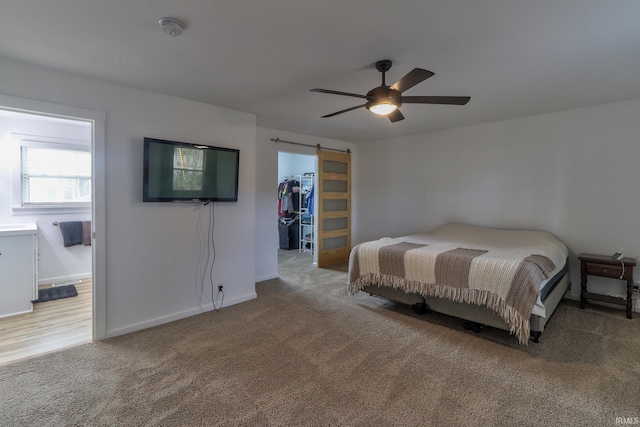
53 325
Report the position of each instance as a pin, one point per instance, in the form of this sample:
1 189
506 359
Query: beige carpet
306 353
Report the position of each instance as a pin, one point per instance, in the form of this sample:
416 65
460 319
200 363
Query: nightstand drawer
604 270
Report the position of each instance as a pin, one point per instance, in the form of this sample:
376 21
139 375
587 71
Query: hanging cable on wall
207 258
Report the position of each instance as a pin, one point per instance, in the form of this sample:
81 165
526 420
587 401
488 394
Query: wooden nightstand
605 266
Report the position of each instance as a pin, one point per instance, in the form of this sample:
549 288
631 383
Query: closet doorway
297 224
34 143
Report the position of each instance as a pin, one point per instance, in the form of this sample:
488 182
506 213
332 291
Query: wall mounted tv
182 172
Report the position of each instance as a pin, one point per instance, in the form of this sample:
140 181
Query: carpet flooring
305 353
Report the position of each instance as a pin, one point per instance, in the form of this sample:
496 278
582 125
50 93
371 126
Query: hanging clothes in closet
288 197
310 203
288 213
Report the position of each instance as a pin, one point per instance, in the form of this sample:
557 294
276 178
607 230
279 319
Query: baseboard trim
268 277
635 308
62 279
177 316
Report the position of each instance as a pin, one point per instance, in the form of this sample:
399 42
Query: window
52 175
55 176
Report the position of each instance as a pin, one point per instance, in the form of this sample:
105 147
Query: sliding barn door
334 207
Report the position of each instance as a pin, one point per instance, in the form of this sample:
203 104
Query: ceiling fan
386 100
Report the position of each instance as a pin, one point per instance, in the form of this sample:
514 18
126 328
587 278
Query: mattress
547 286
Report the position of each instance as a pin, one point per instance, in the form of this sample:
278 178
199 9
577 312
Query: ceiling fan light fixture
386 100
383 100
383 108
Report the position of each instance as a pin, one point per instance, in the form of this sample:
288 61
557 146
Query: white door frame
315 183
97 120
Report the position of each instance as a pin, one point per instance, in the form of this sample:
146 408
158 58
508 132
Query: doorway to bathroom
48 165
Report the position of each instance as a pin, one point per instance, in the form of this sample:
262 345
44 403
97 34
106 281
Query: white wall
56 263
573 173
152 248
267 186
294 164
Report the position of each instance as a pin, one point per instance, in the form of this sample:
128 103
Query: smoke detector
171 26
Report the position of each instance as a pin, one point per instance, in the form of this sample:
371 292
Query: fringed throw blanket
500 269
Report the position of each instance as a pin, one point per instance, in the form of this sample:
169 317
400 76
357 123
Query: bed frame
476 316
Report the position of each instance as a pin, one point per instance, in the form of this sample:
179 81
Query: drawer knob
604 270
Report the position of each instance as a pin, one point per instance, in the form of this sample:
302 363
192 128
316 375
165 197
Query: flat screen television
183 172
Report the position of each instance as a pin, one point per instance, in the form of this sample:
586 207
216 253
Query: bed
508 279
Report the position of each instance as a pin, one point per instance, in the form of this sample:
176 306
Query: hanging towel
71 233
86 233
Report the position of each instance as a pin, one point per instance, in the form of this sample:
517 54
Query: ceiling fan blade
335 92
396 116
414 77
451 100
344 111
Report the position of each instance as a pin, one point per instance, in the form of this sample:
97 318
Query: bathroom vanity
18 268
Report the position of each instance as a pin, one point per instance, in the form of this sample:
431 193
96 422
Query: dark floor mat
57 292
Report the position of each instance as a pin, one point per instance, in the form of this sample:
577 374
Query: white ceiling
512 57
